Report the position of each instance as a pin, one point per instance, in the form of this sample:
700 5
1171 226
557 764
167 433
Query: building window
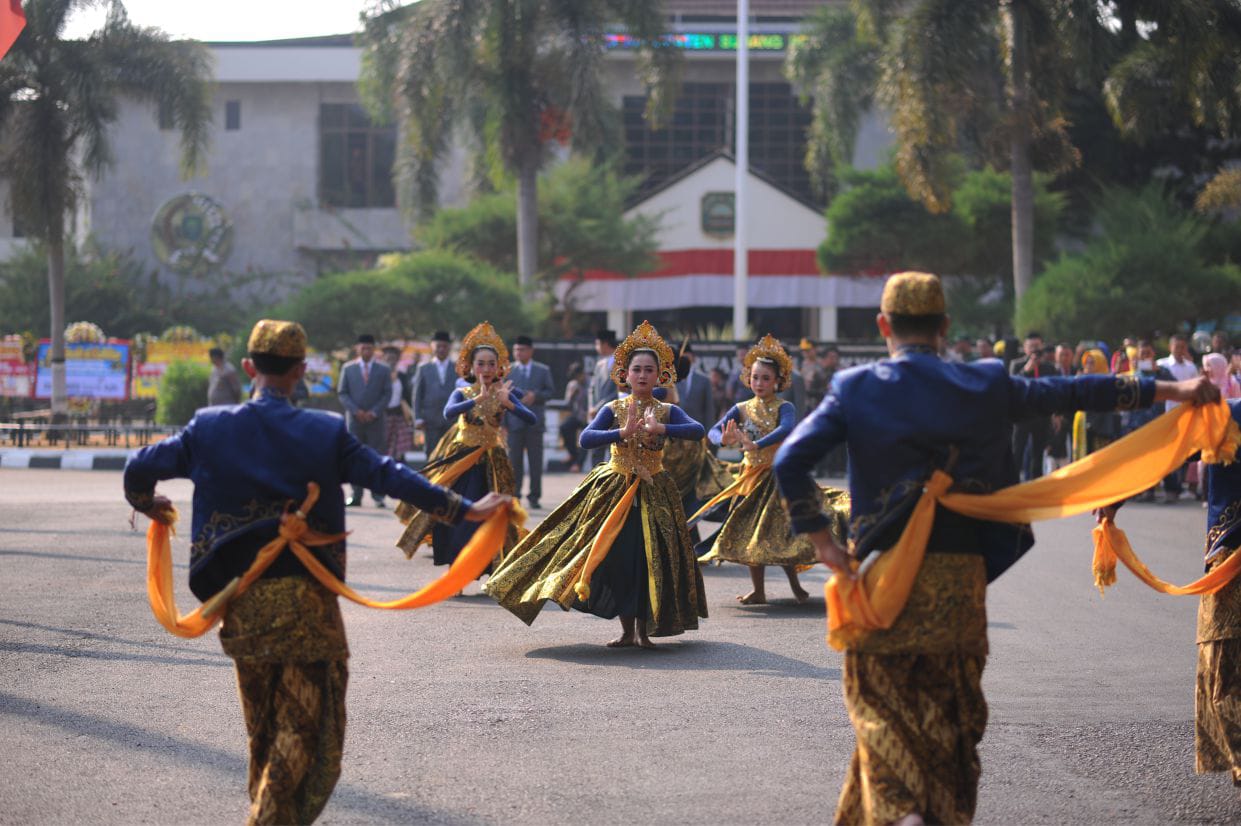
232 115
702 123
163 116
355 158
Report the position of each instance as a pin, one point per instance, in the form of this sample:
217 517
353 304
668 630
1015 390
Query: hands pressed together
734 435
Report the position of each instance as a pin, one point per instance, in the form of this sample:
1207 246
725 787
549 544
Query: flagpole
742 123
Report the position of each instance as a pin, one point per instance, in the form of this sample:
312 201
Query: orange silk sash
296 535
877 593
743 485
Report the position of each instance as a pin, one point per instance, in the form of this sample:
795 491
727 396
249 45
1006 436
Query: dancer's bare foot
911 819
623 641
645 642
753 598
800 596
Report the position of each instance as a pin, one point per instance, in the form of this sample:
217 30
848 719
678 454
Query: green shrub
182 390
1144 272
413 295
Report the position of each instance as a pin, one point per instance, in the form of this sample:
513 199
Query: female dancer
618 545
698 474
475 462
756 531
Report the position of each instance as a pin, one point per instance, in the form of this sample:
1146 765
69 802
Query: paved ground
460 714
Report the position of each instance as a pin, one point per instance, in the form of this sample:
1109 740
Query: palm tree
57 99
521 76
984 77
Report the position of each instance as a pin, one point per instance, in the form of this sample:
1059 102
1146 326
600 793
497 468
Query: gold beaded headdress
286 339
484 335
645 337
769 351
913 293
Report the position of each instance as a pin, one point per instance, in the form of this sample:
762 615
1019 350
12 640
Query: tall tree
57 99
986 77
521 76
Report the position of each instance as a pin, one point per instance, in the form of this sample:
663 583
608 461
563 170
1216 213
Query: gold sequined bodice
640 454
760 418
480 425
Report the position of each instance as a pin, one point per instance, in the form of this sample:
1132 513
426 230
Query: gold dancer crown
769 351
645 337
913 293
484 335
286 339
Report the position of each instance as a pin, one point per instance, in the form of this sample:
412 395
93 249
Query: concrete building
298 180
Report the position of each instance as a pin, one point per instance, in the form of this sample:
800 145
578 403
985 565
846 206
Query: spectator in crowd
694 390
533 380
1144 364
795 393
1220 343
1181 365
223 385
719 392
984 349
602 388
812 373
1065 361
1125 355
1095 429
961 351
1030 436
399 415
364 389
434 382
577 403
737 391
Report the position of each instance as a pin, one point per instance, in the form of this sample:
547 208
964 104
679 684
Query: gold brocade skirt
1217 701
496 475
757 530
546 564
287 640
696 472
914 696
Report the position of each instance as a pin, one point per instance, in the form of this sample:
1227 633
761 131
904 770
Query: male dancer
914 691
285 634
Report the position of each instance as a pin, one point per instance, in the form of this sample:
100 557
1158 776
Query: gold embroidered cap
484 335
645 337
769 350
913 293
270 337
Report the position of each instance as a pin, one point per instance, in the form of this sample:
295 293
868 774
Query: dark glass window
355 158
232 115
702 123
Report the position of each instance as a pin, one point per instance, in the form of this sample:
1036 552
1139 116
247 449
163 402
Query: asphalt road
460 714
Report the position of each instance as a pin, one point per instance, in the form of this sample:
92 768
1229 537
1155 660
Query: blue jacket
900 419
249 461
1224 501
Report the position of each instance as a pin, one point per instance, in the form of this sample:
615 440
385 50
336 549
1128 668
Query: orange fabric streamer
603 540
445 476
1111 544
297 535
743 485
1125 468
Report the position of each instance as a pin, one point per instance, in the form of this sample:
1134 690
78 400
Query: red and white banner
704 278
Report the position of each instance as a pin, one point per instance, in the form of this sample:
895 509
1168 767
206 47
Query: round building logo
192 234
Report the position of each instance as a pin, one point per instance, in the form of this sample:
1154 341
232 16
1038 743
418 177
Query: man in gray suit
534 380
433 384
694 390
795 393
602 388
364 388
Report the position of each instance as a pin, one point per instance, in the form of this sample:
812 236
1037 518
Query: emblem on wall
192 234
719 213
